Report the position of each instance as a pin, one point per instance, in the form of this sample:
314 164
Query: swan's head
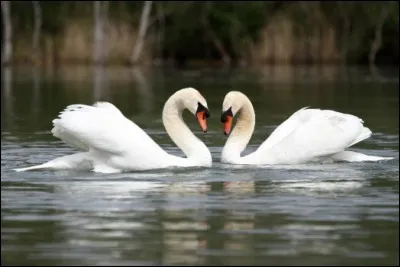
196 104
233 102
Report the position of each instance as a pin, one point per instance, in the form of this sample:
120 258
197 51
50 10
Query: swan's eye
227 113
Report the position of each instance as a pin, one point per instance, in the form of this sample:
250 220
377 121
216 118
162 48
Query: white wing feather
312 133
101 127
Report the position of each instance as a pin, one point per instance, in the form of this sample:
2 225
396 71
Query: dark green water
321 214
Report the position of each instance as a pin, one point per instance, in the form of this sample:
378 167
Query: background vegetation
200 32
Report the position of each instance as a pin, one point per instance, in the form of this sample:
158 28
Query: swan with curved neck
109 142
309 135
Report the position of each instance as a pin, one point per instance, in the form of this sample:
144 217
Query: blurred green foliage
180 26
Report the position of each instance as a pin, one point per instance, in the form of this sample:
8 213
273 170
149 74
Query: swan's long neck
241 133
195 150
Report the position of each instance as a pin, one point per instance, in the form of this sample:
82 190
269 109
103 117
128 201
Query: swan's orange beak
226 119
227 125
202 119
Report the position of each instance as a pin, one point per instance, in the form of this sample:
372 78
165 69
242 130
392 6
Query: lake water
313 214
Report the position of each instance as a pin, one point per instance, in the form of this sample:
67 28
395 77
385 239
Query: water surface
336 214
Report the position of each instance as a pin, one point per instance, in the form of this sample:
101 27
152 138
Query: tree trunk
36 30
7 38
377 42
216 41
99 82
100 21
345 38
7 95
144 23
161 35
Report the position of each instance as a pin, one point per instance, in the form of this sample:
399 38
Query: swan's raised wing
314 133
284 129
102 127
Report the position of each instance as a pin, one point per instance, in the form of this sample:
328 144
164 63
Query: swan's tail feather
351 156
365 134
36 167
79 160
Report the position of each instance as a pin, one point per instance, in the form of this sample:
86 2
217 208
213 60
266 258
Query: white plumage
307 135
112 143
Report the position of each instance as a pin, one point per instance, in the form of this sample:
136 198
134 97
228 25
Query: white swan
308 135
112 143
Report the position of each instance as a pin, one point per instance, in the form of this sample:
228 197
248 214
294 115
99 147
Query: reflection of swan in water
309 135
112 143
324 180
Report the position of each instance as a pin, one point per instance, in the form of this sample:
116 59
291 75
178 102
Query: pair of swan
109 142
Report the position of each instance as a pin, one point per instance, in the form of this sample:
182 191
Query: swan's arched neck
240 135
195 150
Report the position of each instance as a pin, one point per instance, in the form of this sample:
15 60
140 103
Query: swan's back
314 133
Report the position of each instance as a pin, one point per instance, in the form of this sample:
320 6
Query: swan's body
112 143
309 135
